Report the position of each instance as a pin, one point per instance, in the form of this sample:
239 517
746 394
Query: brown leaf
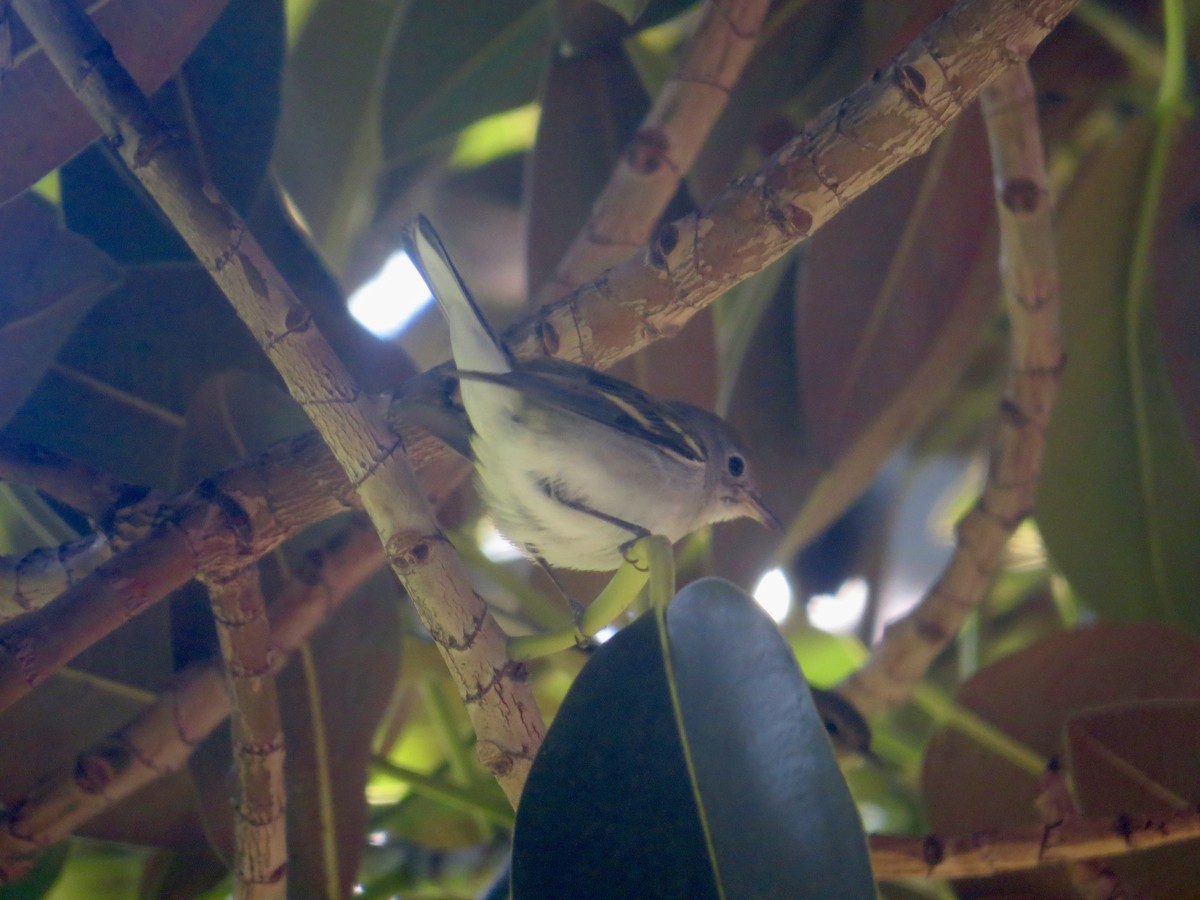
42 124
1030 696
591 105
896 294
1141 758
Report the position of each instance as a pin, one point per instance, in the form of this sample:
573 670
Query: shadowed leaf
49 279
1030 696
130 369
326 154
592 103
42 125
895 296
1141 758
440 79
225 100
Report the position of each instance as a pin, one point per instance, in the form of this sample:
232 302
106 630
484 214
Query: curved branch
909 646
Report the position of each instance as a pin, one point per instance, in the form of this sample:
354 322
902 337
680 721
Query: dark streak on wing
593 395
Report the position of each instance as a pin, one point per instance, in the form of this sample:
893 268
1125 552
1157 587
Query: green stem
451 795
944 710
1138 289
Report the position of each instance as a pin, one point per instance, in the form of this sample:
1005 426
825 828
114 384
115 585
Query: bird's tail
476 347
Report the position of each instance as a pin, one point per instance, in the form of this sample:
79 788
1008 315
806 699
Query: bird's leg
647 559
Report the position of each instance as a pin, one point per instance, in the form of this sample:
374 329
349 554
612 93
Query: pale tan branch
1029 273
646 305
259 809
495 691
1091 878
665 145
993 852
849 147
160 739
222 525
33 580
94 493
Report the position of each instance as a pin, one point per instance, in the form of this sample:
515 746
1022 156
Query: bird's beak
757 510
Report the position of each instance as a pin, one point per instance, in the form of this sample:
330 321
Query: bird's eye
736 465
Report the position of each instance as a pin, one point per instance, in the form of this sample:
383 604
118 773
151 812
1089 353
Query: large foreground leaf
705 774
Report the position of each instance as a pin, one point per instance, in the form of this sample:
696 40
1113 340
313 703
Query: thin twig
497 695
260 823
94 493
160 739
992 852
1091 878
910 645
665 145
31 581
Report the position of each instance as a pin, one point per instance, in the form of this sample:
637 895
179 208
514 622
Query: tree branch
665 146
850 146
494 690
160 739
260 823
909 646
993 852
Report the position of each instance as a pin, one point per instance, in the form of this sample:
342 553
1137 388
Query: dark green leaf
1119 503
630 10
226 100
453 62
612 792
326 154
49 279
41 878
42 125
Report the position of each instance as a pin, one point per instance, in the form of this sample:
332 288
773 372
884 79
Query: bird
574 466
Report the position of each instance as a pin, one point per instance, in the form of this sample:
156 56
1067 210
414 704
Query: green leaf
727 724
629 10
1119 505
326 154
226 99
42 124
49 279
41 878
455 61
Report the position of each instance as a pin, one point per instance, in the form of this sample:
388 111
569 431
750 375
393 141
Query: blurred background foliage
864 369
